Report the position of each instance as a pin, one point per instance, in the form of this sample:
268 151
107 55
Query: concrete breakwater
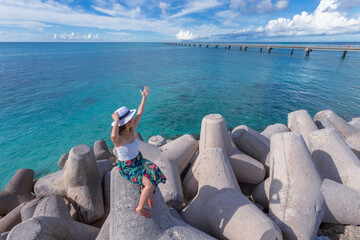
283 183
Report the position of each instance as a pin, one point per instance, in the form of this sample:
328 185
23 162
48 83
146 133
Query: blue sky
174 20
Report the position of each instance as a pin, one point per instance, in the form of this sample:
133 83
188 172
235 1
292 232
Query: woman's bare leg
145 194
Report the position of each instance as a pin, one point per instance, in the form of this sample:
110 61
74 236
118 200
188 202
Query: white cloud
185 35
327 19
228 17
32 25
56 13
259 6
76 36
197 6
118 33
119 10
164 7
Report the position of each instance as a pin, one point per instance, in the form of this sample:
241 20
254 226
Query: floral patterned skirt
135 169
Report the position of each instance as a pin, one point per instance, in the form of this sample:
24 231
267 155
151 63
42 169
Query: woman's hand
146 91
115 117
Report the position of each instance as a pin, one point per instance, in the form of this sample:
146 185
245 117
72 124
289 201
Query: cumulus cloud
164 7
259 6
76 36
185 35
327 19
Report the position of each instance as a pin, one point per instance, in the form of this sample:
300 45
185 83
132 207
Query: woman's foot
146 213
150 203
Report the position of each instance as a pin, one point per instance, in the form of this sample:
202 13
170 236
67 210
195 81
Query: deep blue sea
55 96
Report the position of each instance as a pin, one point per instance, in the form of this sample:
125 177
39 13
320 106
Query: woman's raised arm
115 129
140 110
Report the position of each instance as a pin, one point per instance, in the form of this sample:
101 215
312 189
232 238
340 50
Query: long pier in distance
268 47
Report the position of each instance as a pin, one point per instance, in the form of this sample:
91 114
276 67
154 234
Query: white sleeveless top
128 151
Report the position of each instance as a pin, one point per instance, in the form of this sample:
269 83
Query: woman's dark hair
122 128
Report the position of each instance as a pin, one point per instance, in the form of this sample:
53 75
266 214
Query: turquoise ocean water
55 96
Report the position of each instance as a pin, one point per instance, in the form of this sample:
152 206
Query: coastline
241 166
68 90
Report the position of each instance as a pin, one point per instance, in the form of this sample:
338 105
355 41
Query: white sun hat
125 115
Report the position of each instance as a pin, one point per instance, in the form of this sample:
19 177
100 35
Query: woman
132 165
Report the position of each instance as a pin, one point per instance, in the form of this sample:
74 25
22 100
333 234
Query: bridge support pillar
308 50
344 54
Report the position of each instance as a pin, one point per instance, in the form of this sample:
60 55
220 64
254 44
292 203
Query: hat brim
122 122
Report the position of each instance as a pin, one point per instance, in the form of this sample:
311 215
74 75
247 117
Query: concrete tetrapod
334 158
342 203
296 203
125 223
101 150
28 210
11 219
214 133
220 208
157 141
17 191
252 143
275 128
300 121
355 122
51 220
350 133
172 159
62 160
79 181
261 193
104 233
